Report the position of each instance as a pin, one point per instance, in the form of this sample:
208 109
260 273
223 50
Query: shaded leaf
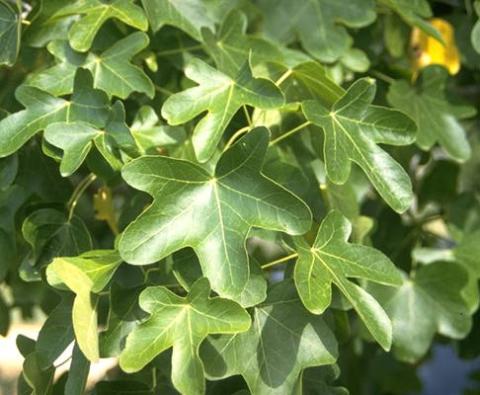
319 24
10 30
430 302
435 117
283 340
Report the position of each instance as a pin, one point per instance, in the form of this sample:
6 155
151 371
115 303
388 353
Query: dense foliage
239 196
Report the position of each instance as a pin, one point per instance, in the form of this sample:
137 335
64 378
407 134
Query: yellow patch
426 50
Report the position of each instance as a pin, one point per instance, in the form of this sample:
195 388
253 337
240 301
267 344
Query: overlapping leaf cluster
221 195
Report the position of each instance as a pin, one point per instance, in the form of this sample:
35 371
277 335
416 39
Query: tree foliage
239 196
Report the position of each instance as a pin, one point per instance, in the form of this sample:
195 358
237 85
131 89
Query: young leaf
41 109
86 274
332 260
10 30
95 14
284 339
221 96
436 118
112 70
353 129
181 323
428 303
319 24
210 212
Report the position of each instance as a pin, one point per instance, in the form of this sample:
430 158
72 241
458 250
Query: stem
235 136
163 90
283 77
290 132
247 115
279 260
78 192
325 196
179 50
382 76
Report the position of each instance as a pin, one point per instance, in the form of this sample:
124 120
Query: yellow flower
426 50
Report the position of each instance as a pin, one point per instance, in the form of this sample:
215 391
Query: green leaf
284 339
78 373
56 333
77 138
150 135
319 24
475 35
309 80
187 270
38 379
331 260
414 12
230 47
10 30
95 14
112 69
436 118
8 171
221 96
182 323
210 212
41 109
85 275
51 234
353 129
187 15
428 303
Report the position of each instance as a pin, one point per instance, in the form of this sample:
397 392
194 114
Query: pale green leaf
85 275
181 323
331 260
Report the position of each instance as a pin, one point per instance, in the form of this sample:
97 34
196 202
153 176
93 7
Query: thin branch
78 192
290 132
279 260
